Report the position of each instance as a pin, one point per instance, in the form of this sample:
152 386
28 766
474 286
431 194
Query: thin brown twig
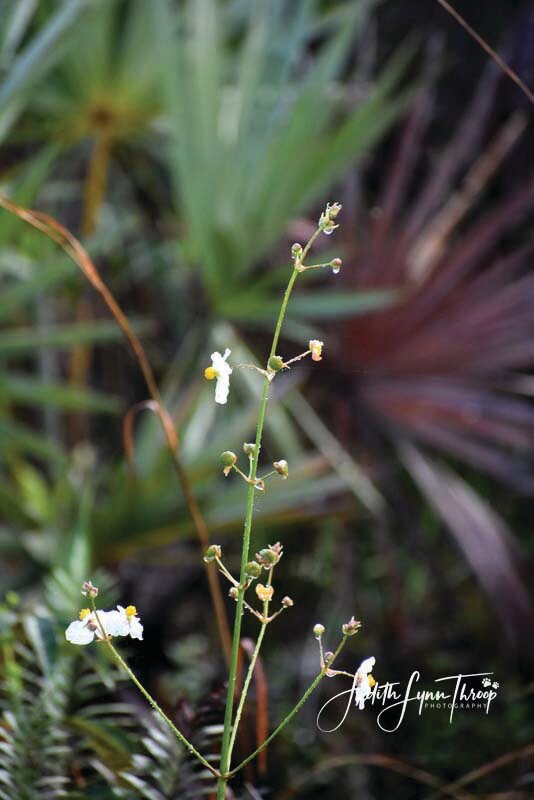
485 769
377 760
489 50
54 230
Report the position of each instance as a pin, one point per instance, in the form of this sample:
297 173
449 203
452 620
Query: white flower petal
136 628
114 622
223 370
79 632
367 666
363 690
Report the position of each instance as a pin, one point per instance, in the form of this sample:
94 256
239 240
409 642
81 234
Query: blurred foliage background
188 144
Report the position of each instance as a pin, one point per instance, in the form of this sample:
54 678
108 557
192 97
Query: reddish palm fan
442 368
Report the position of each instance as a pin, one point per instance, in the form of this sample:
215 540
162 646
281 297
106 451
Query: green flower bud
270 556
248 448
296 250
276 363
252 569
318 630
214 551
233 593
228 459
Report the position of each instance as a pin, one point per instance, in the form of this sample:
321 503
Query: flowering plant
257 573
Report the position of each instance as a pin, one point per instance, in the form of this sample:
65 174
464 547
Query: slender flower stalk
287 719
225 751
250 672
119 659
326 224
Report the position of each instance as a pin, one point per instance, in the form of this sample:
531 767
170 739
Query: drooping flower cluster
104 624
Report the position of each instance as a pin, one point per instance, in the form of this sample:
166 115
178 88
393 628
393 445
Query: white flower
130 624
84 629
121 622
363 682
221 370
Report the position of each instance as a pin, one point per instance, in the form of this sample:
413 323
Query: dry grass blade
262 701
489 50
64 238
127 426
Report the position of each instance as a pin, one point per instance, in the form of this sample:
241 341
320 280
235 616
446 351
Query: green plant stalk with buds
124 621
230 726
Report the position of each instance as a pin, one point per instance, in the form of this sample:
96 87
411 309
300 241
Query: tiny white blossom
118 622
364 682
84 629
130 624
220 370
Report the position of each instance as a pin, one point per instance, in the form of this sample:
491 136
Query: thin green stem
119 659
232 676
289 717
228 714
250 672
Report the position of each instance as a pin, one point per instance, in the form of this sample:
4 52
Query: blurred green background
187 145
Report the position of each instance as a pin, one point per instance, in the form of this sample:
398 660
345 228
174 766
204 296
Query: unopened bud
270 556
316 348
282 468
296 250
275 363
252 569
264 593
328 657
318 630
336 265
248 448
333 210
233 593
228 459
326 220
88 590
287 602
351 627
214 551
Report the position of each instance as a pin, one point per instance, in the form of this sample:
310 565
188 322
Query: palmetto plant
445 370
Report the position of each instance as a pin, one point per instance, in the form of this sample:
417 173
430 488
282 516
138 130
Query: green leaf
25 390
32 339
40 52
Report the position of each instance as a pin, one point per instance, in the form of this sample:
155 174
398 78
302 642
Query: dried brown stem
489 50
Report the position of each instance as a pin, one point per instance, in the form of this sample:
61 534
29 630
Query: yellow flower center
84 613
371 681
131 611
210 373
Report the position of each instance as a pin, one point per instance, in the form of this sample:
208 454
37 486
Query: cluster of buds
351 627
327 219
266 559
89 590
229 462
270 556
